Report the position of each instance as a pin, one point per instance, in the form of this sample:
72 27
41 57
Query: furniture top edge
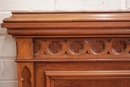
67 12
34 17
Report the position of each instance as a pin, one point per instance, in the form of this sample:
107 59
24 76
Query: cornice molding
68 23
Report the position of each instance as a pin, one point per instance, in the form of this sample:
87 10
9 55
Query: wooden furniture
71 49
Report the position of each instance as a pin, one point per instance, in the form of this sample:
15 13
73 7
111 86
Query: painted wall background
8 73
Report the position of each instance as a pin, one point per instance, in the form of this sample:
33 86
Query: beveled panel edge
112 73
89 75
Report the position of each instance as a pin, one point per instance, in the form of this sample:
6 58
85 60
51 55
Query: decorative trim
119 46
113 73
68 24
76 47
85 48
97 46
54 47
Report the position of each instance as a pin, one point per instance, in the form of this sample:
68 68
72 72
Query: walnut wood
71 49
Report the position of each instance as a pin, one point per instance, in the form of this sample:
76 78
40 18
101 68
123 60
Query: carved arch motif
26 76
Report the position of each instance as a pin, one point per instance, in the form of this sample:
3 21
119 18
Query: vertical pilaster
24 48
25 70
25 74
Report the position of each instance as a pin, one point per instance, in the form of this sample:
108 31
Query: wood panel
87 78
93 83
94 72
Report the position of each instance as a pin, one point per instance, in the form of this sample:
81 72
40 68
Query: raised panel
62 74
87 78
91 83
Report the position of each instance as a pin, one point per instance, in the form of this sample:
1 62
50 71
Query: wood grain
68 24
71 49
24 48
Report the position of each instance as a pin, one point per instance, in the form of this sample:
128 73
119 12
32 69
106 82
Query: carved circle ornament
76 47
98 46
119 46
55 47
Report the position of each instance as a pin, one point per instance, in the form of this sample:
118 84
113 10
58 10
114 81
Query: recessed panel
93 83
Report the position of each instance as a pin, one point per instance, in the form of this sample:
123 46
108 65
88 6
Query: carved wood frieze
85 48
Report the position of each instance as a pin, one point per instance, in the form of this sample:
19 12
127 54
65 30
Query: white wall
8 74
